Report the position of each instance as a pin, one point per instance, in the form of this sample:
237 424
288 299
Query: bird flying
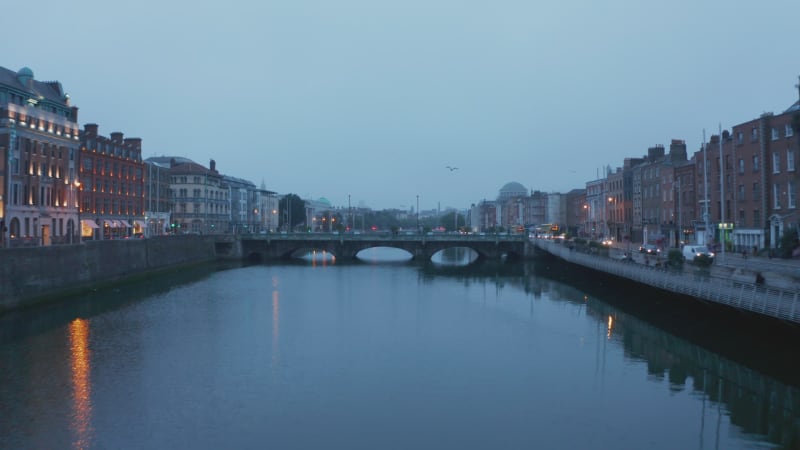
451 168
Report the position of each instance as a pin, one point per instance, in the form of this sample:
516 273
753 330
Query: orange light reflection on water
80 357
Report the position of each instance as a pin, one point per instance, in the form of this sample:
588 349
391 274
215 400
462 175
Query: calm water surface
375 356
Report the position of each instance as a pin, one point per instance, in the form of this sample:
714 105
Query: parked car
690 252
650 249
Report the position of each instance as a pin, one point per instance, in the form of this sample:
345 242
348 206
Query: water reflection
384 255
359 343
319 257
276 322
761 406
456 256
80 358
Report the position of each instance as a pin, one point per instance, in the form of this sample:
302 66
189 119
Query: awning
140 223
110 223
124 223
89 223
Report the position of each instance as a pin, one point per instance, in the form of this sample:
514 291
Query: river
392 355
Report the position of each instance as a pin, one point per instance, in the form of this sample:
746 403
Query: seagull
451 168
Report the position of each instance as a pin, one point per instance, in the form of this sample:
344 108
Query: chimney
677 150
134 143
90 129
655 153
116 137
212 165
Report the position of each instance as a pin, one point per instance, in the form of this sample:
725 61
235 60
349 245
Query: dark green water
392 356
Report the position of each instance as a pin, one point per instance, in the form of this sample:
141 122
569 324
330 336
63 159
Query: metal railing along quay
765 300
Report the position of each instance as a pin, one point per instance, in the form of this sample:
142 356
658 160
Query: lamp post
585 219
256 222
611 204
76 198
418 230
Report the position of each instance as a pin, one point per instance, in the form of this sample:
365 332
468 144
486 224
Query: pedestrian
744 254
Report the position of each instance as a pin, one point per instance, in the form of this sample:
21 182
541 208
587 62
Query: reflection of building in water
80 357
756 403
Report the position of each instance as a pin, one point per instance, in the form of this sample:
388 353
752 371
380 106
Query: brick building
111 185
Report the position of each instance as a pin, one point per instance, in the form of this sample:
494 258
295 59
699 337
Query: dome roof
324 201
24 76
512 189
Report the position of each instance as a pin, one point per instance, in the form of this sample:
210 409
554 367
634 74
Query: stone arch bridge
277 246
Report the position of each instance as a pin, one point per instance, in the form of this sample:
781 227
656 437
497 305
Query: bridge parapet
347 245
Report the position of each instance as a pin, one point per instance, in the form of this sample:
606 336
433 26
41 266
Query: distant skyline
376 99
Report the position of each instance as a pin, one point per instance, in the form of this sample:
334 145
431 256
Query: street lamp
586 219
611 202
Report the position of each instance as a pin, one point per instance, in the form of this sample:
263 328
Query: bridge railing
387 236
773 302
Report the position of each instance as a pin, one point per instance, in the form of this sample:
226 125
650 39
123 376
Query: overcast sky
373 99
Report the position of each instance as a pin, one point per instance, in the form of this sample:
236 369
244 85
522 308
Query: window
741 193
789 130
756 219
775 134
741 166
755 191
790 195
776 163
755 163
739 137
790 160
742 219
754 134
776 196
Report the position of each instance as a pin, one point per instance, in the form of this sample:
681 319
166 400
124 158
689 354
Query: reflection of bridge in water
347 246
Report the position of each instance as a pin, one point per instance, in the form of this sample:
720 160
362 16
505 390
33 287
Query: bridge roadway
347 245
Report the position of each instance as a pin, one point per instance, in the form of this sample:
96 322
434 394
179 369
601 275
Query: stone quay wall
33 275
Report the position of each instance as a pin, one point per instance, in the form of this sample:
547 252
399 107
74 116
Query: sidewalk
778 272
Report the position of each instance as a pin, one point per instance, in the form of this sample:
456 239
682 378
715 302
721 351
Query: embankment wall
33 275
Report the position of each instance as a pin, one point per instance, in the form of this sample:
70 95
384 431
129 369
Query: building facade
158 205
39 147
200 199
112 196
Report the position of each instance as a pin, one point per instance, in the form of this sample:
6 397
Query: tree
291 205
448 221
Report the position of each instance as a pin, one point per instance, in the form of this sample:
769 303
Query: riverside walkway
729 284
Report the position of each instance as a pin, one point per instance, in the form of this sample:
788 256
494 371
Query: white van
690 252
